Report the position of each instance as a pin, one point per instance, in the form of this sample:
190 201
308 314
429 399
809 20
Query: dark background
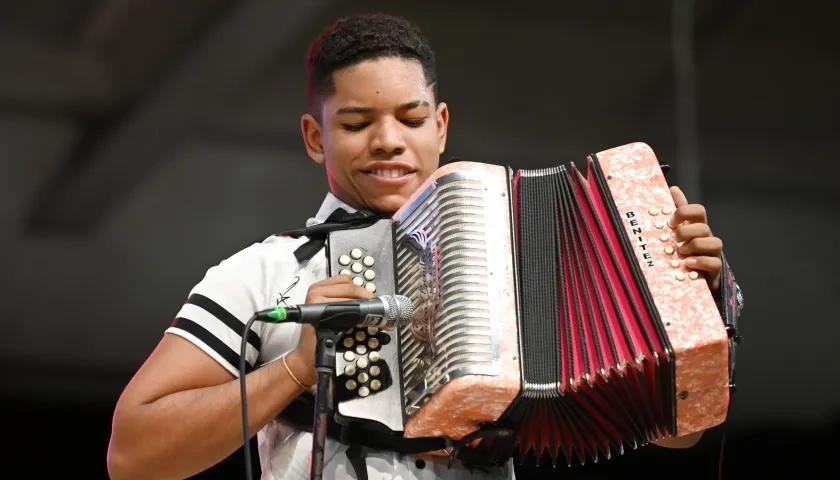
143 141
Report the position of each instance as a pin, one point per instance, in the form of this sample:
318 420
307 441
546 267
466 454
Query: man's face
381 134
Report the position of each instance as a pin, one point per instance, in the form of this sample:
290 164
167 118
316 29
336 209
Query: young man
378 128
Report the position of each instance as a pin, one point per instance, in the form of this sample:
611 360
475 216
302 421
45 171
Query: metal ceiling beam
248 38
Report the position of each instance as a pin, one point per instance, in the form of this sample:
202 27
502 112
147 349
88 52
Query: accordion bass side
551 304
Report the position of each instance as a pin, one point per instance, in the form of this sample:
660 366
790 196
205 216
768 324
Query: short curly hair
358 38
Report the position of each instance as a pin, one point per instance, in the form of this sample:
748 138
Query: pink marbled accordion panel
686 307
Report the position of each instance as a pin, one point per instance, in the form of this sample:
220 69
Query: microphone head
400 310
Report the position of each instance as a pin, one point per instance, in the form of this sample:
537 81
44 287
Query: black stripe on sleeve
211 341
225 317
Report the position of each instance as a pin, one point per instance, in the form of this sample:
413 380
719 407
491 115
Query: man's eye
415 122
354 127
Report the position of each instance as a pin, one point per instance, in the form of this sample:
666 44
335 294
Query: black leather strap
340 219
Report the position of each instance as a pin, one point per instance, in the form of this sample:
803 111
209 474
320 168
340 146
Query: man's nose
388 139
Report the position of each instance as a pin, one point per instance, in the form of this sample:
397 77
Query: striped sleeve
214 316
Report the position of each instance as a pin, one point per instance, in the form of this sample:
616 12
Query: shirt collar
331 203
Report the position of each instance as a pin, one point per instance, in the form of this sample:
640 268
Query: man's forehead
386 82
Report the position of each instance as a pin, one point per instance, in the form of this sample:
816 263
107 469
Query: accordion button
675 263
374 356
363 377
680 276
372 330
374 372
371 287
653 211
350 384
669 250
349 356
364 392
360 336
361 349
348 342
375 385
362 362
368 261
358 281
693 275
370 275
356 253
357 268
667 210
659 225
664 237
349 370
344 260
344 271
373 343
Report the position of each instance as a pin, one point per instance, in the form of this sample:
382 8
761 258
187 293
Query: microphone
385 311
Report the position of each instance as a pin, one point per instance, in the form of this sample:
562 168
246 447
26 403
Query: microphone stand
325 367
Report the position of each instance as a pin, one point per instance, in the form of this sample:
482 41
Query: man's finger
678 196
343 290
686 232
710 246
706 264
694 213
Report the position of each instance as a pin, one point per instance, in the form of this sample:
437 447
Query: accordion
548 304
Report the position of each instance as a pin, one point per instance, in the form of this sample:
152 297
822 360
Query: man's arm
181 413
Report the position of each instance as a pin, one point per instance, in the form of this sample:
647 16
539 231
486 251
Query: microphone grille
400 309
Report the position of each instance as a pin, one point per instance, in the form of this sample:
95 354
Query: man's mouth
390 173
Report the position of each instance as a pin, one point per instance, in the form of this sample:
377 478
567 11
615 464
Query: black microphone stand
327 339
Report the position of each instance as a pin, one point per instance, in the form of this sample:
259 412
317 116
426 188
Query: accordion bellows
553 303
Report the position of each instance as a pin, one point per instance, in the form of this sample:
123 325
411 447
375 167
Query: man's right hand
333 289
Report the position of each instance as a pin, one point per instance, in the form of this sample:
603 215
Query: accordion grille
442 266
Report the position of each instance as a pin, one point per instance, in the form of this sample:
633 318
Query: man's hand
333 289
701 250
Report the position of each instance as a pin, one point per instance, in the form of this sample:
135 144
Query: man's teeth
389 173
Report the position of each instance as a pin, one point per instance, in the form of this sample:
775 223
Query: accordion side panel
461 355
683 299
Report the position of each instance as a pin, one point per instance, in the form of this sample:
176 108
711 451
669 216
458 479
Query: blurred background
143 141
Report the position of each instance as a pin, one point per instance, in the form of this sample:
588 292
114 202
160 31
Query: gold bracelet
289 371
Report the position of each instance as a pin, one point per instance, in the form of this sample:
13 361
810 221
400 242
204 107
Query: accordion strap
317 234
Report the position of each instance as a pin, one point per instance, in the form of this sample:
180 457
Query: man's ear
443 126
311 131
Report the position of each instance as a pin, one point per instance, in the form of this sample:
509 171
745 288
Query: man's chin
389 204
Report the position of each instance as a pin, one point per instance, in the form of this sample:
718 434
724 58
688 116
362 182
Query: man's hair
358 38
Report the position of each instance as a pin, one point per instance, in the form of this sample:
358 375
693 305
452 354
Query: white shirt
259 277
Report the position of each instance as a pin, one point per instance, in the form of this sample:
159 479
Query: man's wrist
301 367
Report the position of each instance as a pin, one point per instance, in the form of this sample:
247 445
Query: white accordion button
363 362
361 349
364 392
675 263
350 384
659 225
356 253
373 343
653 211
344 271
374 356
360 336
680 276
363 377
374 371
372 330
667 210
693 275
344 260
375 385
368 261
348 342
371 287
664 237
349 370
357 268
358 281
370 275
349 356
669 250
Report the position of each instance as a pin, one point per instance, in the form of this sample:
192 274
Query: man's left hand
701 249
